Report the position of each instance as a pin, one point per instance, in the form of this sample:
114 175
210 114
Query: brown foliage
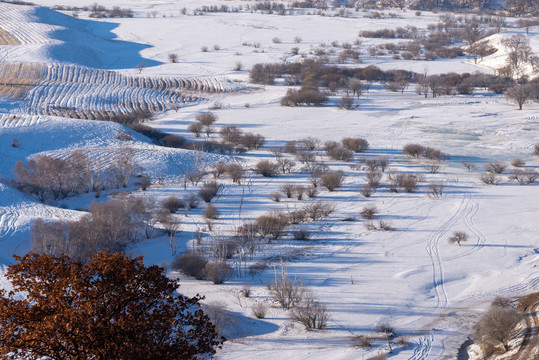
113 307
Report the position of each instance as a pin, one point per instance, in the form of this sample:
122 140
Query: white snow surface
411 278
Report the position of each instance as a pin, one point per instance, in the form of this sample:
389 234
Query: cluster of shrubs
417 150
408 32
197 266
99 11
493 170
236 138
109 226
50 178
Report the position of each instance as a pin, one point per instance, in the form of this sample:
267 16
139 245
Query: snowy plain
429 290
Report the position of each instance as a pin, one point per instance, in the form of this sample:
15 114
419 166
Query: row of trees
53 178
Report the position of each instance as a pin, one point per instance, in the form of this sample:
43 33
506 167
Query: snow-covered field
411 278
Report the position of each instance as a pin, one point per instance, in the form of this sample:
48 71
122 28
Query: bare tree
498 326
520 94
458 237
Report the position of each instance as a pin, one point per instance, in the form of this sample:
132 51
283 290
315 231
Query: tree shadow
90 43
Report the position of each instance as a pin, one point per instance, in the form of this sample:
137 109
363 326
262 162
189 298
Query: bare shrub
267 168
536 150
246 290
191 200
288 292
288 189
296 216
211 212
407 182
191 264
172 204
458 237
271 226
332 179
218 271
311 314
235 171
347 102
362 342
209 190
196 128
319 210
489 178
433 166
175 141
357 145
369 225
275 196
524 177
253 141
369 212
310 143
173 58
305 157
373 179
470 166
495 167
259 310
498 326
286 165
311 192
291 147
517 162
219 316
435 189
413 150
301 234
299 190
386 226
366 191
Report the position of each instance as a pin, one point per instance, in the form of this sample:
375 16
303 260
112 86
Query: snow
429 290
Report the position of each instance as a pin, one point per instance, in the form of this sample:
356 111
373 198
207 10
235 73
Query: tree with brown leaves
113 307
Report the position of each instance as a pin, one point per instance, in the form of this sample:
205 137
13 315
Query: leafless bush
330 145
310 143
271 226
369 212
408 182
311 314
347 102
498 326
413 150
275 196
311 192
218 271
369 225
191 200
305 157
219 169
470 166
332 179
319 210
517 162
288 292
291 147
435 190
373 179
219 316
191 264
366 191
489 178
386 226
172 204
495 167
175 141
259 310
433 166
361 342
235 171
253 141
286 165
209 190
524 177
196 128
536 150
173 58
296 216
267 168
301 234
246 290
458 237
357 145
210 212
288 189
299 190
